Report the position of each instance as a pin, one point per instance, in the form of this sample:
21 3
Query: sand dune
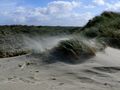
29 73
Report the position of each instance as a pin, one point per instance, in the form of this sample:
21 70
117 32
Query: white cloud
113 6
55 13
89 6
72 19
62 6
99 2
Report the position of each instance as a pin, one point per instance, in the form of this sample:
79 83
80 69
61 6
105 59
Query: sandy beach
29 73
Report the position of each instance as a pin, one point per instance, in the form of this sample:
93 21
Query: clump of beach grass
73 49
5 54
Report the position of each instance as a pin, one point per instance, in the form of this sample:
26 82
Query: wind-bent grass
5 54
73 49
105 27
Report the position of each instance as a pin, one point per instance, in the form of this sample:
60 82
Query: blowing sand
28 73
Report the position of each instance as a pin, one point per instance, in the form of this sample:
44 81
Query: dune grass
5 54
72 50
105 27
12 37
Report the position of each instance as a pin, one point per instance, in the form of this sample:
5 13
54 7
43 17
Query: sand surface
28 73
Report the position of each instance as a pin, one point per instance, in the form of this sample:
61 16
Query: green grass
74 49
12 41
5 54
105 27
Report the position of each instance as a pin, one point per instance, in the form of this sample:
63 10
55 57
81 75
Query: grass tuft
72 50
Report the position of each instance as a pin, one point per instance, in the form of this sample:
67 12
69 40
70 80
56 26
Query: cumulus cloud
99 2
89 6
72 19
58 6
55 13
115 6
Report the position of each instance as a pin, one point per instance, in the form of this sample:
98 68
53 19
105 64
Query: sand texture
28 72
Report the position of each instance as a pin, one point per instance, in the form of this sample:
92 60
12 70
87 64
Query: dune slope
29 73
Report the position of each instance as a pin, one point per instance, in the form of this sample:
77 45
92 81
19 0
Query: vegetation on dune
4 54
105 27
12 41
35 30
73 50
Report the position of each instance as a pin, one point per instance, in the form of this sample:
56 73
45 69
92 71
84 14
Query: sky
53 12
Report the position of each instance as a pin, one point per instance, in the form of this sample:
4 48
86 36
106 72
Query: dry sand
28 73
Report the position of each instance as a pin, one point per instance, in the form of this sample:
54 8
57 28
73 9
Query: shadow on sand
54 57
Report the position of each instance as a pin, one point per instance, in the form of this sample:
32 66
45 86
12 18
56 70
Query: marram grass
73 49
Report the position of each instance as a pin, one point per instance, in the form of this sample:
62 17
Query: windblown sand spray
110 57
74 50
66 48
41 44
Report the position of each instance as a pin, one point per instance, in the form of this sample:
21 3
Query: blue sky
53 12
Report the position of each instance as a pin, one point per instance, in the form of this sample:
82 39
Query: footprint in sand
108 69
26 80
82 79
30 79
86 80
92 72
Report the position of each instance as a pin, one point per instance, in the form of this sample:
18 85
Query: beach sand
29 73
